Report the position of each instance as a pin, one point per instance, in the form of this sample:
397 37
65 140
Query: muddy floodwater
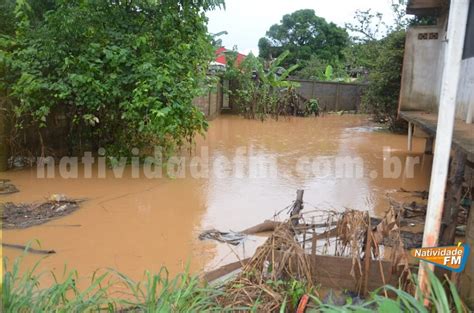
138 224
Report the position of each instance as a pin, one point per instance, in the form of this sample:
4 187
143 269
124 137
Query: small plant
313 107
22 292
328 72
261 91
441 298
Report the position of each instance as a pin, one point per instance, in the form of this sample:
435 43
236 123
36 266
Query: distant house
221 58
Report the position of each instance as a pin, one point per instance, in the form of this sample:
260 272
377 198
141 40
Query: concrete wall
423 69
465 97
332 96
210 103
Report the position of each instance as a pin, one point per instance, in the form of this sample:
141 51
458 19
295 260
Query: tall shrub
382 93
123 73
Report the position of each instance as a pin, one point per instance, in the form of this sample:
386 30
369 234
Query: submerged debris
226 237
25 215
251 286
342 250
6 187
27 248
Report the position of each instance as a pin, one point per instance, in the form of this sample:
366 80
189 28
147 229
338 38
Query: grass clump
112 291
109 291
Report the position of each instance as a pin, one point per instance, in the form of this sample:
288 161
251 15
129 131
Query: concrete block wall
332 96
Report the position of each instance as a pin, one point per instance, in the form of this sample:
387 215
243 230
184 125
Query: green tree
304 34
381 97
123 73
378 49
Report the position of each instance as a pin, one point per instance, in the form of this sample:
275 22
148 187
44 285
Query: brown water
133 224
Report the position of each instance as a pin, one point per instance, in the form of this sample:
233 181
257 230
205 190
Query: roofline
435 10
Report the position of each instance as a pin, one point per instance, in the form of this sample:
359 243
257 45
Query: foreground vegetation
111 291
113 74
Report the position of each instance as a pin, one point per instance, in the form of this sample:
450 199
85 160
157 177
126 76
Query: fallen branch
27 249
269 226
266 226
224 270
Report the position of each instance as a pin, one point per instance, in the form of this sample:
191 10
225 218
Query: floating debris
340 250
25 215
6 187
232 238
27 248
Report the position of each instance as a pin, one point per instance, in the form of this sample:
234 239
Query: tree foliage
261 89
381 96
123 73
377 49
304 34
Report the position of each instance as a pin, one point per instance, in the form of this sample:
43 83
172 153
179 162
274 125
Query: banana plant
276 76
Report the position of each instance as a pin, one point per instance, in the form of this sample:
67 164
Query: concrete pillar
444 134
410 136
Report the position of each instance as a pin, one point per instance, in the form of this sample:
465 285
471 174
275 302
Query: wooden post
4 149
297 207
336 104
453 197
367 258
429 145
314 243
209 100
410 136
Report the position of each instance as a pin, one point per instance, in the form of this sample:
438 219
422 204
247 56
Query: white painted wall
465 97
423 69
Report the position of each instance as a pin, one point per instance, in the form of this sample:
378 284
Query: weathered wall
422 69
332 96
465 97
210 103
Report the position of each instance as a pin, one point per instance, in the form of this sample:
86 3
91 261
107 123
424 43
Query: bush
262 91
383 90
123 73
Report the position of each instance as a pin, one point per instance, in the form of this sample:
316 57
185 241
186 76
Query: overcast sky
246 21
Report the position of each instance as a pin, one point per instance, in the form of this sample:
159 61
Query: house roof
221 59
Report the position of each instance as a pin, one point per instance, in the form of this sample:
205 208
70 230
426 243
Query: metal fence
332 96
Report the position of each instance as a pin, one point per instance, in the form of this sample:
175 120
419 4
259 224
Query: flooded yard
133 224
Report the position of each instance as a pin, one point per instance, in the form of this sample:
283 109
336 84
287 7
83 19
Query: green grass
22 292
441 299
